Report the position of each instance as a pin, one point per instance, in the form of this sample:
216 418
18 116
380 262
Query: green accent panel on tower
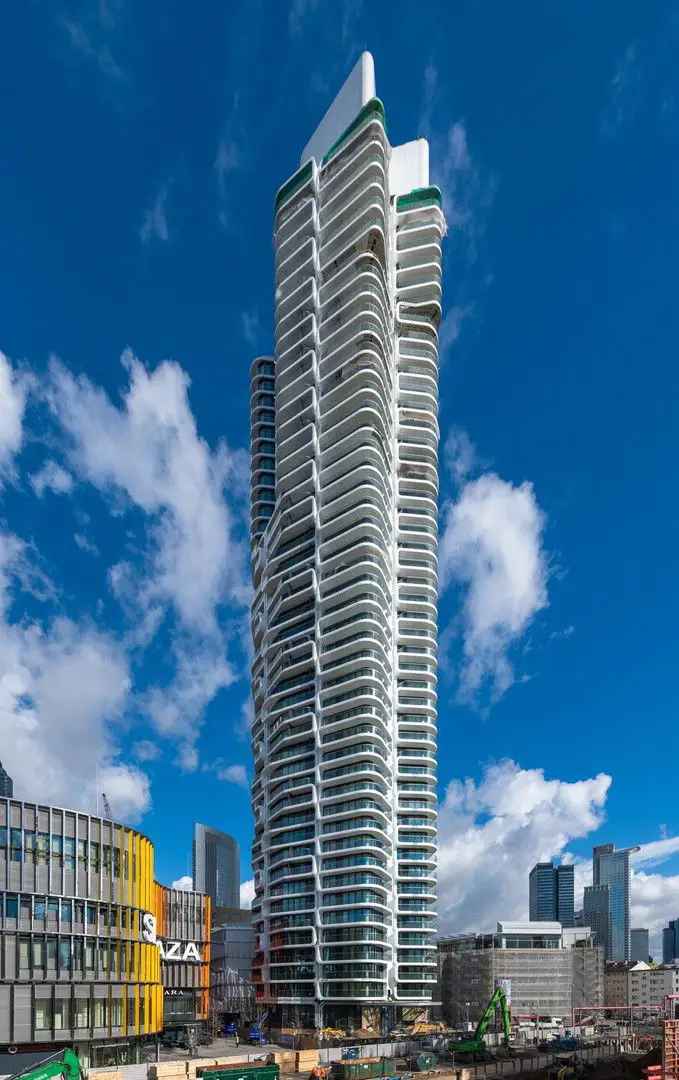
373 108
296 181
418 197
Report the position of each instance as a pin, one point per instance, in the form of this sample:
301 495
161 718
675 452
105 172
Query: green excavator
476 1046
65 1064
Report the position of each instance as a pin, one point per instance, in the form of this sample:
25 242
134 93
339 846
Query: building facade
233 946
6 784
552 894
596 913
643 985
550 970
183 933
74 967
216 866
670 941
612 868
344 438
639 944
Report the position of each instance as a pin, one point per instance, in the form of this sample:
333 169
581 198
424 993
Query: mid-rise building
552 893
94 953
344 481
670 941
642 985
639 944
6 784
612 868
550 969
233 946
216 865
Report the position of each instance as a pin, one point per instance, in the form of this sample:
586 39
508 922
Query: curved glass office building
78 965
344 555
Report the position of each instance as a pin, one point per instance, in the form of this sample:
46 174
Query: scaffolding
670 1050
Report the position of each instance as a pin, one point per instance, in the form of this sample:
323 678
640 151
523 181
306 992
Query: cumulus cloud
492 548
185 883
493 831
145 750
63 685
247 893
51 478
234 774
12 406
147 454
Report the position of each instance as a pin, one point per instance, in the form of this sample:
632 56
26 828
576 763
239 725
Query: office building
596 913
670 942
612 868
639 945
95 953
552 893
216 866
6 784
344 537
550 970
232 948
643 985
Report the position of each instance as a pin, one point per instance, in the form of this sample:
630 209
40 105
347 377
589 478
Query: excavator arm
499 998
66 1065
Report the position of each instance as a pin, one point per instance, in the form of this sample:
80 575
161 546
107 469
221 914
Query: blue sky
142 147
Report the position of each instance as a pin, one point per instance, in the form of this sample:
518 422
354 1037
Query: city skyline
124 549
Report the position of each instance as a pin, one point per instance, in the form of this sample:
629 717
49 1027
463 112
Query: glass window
23 952
53 909
91 915
38 952
69 852
42 846
66 911
114 917
113 956
16 845
79 911
38 907
25 908
89 954
62 1009
103 915
94 855
116 1012
106 857
78 955
56 844
29 842
103 956
82 1013
116 862
64 954
3 836
82 852
43 1014
51 952
11 906
126 866
100 1012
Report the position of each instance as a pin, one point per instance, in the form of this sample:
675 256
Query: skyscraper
6 784
344 538
552 893
596 913
670 942
639 944
216 866
611 867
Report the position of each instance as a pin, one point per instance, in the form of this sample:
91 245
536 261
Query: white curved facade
344 558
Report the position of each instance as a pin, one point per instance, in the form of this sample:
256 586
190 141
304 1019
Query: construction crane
477 1044
64 1064
106 804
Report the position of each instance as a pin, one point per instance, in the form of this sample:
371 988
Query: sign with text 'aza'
177 951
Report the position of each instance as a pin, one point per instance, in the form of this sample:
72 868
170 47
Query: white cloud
492 832
654 901
154 225
492 547
247 893
84 544
62 688
451 327
12 406
145 750
251 327
459 455
234 774
147 453
185 883
655 852
51 478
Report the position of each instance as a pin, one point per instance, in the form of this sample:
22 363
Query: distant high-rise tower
552 893
670 942
216 866
596 913
611 867
344 477
639 944
6 784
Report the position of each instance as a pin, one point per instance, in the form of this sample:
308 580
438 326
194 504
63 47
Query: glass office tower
611 867
344 539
